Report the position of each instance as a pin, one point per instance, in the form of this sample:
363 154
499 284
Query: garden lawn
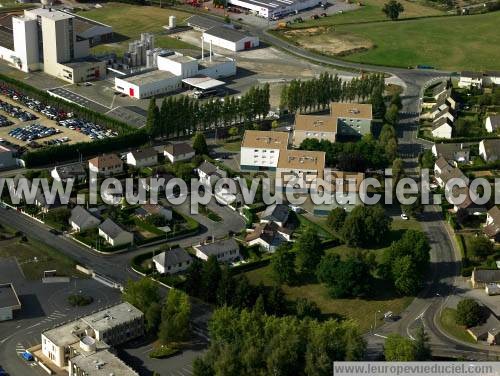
453 43
360 310
128 21
372 11
448 323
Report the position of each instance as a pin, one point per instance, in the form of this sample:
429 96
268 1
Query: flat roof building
274 8
321 127
9 301
260 150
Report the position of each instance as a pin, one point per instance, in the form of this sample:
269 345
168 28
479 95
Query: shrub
79 300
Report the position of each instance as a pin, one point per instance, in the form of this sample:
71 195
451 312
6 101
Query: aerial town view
249 187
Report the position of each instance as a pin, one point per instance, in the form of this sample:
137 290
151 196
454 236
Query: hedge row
65 152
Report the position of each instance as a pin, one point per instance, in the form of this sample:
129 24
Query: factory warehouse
274 8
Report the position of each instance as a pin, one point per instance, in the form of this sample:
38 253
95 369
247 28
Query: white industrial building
230 39
46 39
274 8
172 71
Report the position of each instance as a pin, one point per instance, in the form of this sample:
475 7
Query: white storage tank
172 22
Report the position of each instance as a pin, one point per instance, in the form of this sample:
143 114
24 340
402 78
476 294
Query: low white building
81 219
489 150
224 250
7 159
230 39
106 164
9 302
457 152
492 123
442 128
114 234
142 158
172 69
470 79
209 173
273 9
172 261
177 152
492 77
74 171
147 84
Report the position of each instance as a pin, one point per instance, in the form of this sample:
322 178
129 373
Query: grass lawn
455 43
360 310
128 21
232 146
448 323
372 11
47 258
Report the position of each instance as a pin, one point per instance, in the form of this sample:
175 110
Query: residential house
492 123
489 150
439 90
492 77
74 171
468 206
444 172
172 261
157 182
444 113
114 234
457 152
492 226
481 277
146 210
268 235
226 250
277 213
352 118
81 219
298 169
488 329
7 159
106 164
319 127
442 128
209 173
470 79
47 203
142 158
178 152
260 150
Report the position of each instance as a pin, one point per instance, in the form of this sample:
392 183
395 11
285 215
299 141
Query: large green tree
345 278
366 226
283 265
393 9
175 317
308 250
200 144
469 313
399 349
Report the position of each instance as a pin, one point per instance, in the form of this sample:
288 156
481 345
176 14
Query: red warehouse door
248 45
131 91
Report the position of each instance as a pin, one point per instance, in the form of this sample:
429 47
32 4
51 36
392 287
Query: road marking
379 335
187 370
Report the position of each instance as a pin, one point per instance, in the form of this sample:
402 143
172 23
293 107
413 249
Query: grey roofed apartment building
90 337
9 301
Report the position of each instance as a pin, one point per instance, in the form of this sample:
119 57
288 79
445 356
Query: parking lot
46 128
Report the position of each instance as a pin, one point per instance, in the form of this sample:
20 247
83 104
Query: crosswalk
56 315
20 348
184 371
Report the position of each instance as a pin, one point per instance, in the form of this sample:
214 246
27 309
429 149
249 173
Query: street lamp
375 319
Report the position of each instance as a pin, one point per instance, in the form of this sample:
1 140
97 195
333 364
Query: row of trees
252 343
180 116
316 94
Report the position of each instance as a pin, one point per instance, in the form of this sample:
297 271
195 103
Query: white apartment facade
260 150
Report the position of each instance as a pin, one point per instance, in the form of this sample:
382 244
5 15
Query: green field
452 43
35 257
129 21
448 323
371 11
